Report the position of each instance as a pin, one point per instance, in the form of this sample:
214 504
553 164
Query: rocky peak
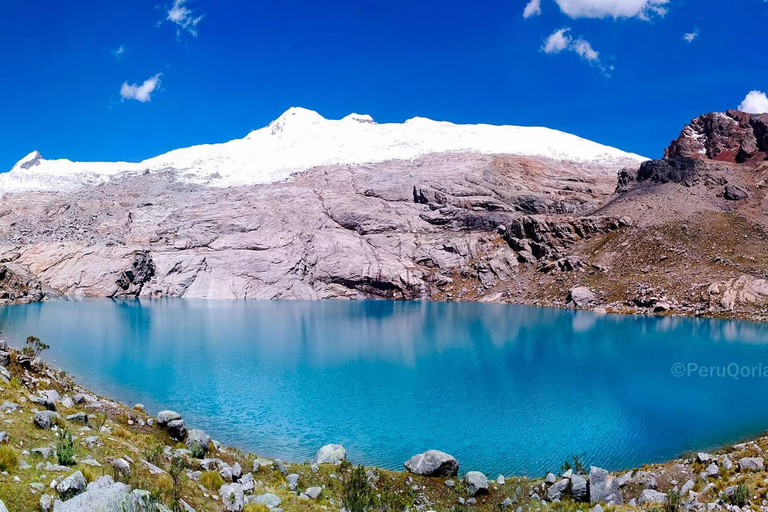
731 136
28 161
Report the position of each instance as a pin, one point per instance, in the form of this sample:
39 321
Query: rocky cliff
685 234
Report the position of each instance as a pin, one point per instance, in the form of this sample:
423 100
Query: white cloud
642 9
119 52
584 50
143 92
183 17
690 37
558 41
533 8
561 40
756 102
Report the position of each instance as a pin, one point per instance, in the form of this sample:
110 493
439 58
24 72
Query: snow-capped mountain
301 139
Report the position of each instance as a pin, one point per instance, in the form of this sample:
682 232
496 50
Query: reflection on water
503 388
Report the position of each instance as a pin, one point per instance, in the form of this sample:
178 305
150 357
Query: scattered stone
751 464
651 496
477 483
313 493
582 297
165 417
450 483
10 407
293 481
281 467
433 463
550 479
232 497
46 503
177 429
269 499
500 480
557 490
24 465
712 470
331 454
687 486
78 417
734 193
46 419
727 463
45 452
197 442
71 486
703 458
103 494
121 466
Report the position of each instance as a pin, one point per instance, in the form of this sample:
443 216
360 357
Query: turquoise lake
505 389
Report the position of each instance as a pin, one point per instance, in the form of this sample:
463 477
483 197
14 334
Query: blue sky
226 67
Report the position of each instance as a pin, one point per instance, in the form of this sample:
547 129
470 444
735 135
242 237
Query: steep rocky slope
685 234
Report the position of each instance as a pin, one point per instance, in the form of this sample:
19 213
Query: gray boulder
71 486
269 499
651 496
103 495
78 417
177 429
477 483
313 492
293 481
3 508
734 193
751 464
197 442
163 417
582 297
603 487
232 497
46 503
433 463
5 358
557 490
579 491
331 454
46 419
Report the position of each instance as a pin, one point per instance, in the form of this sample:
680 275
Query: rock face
732 136
397 230
603 487
433 463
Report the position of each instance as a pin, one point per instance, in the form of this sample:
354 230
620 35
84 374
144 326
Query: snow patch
301 139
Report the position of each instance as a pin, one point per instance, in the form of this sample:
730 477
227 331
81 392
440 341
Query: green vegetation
740 497
9 458
176 471
578 466
65 448
33 347
673 503
357 494
211 480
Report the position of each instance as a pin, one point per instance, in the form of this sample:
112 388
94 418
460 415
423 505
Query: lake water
505 389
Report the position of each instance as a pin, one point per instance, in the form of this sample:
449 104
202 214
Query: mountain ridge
301 139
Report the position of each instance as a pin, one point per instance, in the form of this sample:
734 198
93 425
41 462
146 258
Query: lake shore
126 455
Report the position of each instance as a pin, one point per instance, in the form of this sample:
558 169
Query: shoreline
119 450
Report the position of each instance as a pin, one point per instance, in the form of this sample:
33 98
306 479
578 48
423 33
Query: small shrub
390 501
211 480
33 347
740 497
673 502
165 483
577 466
99 420
255 507
123 433
91 473
176 471
65 448
356 493
9 459
153 452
